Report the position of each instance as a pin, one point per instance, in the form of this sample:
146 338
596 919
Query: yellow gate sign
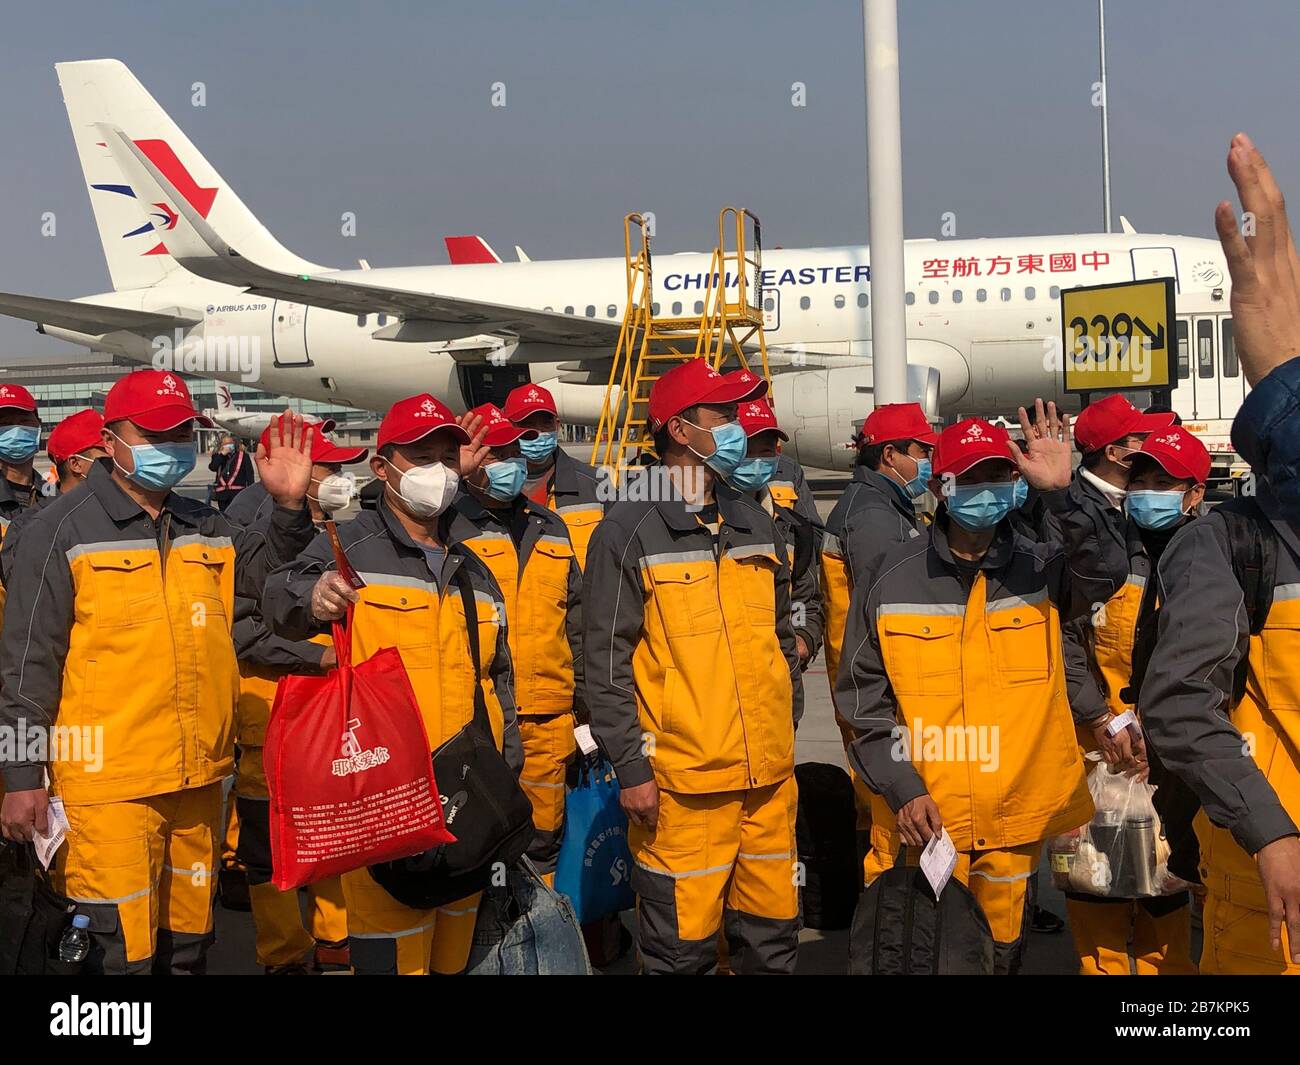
1118 337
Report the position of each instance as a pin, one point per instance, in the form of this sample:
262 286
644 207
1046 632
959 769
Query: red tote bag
349 770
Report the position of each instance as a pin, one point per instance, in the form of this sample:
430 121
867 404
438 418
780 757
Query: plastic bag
1122 852
594 866
348 770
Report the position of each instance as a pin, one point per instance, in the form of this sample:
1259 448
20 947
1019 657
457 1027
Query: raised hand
1263 264
473 453
1045 460
285 466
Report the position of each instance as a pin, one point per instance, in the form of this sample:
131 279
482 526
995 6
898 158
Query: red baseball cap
526 400
323 449
414 418
1114 418
500 431
74 434
156 400
1179 453
757 416
16 396
968 442
697 382
897 421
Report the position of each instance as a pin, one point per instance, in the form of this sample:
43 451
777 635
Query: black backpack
826 833
901 929
1254 563
482 804
33 916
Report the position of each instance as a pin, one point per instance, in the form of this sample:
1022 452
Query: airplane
248 424
200 285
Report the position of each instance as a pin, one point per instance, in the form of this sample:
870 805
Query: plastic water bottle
74 945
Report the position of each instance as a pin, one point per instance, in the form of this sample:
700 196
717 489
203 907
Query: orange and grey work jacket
690 649
961 694
542 586
421 613
1241 760
120 634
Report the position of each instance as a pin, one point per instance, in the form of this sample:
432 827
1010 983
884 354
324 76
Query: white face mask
333 492
427 490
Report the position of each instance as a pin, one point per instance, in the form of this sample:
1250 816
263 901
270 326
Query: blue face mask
753 474
981 506
541 449
1154 510
160 466
919 485
1022 492
729 445
505 479
18 443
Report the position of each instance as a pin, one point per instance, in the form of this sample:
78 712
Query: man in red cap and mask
555 479
690 684
412 553
528 549
284 946
120 606
953 681
20 436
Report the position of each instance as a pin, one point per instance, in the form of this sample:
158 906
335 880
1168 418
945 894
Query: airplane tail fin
134 232
224 403
470 249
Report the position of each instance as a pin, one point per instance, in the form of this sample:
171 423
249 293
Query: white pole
1105 118
885 201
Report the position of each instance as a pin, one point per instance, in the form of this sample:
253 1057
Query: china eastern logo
162 218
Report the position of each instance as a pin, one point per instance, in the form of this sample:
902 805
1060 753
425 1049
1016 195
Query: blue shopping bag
595 866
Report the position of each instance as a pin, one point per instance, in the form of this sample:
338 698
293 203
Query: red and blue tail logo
164 218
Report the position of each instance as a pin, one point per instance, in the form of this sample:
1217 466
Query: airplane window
1231 364
1205 348
1030 293
769 304
1184 355
1054 292
383 319
804 303
839 301
911 298
699 306
654 308
934 295
956 295
611 310
1006 295
361 320
862 299
568 310
548 308
591 310
981 295
677 307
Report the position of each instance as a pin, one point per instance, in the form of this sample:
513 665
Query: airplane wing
201 250
91 318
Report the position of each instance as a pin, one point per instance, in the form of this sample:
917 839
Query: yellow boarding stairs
650 345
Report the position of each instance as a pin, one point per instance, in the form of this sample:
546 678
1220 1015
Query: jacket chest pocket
581 525
397 617
1280 640
549 566
127 588
1018 639
922 653
202 580
756 576
686 597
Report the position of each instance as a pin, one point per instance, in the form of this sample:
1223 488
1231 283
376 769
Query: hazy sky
384 109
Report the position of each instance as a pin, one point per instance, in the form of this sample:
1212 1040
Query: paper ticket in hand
586 741
1120 722
48 843
938 860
